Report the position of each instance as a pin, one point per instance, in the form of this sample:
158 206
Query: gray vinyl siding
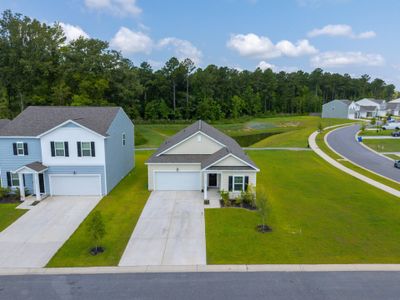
68 170
335 109
10 162
119 159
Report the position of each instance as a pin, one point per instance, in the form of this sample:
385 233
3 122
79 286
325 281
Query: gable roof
36 120
395 100
4 122
230 146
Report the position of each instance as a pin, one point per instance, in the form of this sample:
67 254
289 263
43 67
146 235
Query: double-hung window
238 183
20 149
14 180
59 148
86 149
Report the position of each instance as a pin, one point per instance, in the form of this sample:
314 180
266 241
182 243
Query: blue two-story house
78 151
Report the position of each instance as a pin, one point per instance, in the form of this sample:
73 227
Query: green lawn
382 145
376 132
318 215
292 131
9 214
121 210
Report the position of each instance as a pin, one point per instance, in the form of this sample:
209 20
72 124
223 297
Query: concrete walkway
170 231
333 162
34 238
207 268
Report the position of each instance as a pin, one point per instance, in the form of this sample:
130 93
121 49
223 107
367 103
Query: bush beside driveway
121 210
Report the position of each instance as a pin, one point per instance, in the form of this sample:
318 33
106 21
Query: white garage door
177 181
75 185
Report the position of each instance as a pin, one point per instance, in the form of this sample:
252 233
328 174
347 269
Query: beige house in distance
199 158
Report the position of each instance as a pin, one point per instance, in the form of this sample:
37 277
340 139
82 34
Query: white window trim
90 149
55 148
233 183
23 150
123 139
12 180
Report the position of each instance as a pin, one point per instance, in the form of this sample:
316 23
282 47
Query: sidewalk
205 268
317 150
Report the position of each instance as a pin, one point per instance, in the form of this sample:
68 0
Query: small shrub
225 198
320 127
239 199
96 231
4 192
248 197
363 127
262 210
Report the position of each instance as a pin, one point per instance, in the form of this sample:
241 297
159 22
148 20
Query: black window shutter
78 144
246 182
93 149
15 148
26 149
66 149
9 179
230 183
53 151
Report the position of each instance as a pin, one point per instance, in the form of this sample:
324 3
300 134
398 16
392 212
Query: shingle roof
230 146
36 120
367 108
347 102
393 105
36 166
4 122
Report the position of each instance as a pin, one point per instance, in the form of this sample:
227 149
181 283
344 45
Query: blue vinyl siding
10 162
78 170
119 158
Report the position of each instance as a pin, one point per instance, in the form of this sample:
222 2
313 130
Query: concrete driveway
33 239
170 231
343 141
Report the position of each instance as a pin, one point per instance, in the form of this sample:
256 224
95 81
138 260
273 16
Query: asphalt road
275 285
343 141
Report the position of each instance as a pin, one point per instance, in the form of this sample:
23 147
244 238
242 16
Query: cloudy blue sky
344 36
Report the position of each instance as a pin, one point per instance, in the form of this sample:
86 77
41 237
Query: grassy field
318 215
382 145
9 214
121 210
281 131
376 132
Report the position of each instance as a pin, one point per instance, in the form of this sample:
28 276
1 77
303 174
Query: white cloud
252 45
341 59
263 65
341 30
73 32
182 48
116 7
129 42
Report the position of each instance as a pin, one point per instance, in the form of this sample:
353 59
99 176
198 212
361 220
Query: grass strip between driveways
9 214
121 210
383 145
324 147
318 214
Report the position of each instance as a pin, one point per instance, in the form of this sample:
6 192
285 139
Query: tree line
38 67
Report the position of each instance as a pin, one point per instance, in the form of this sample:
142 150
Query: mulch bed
263 228
10 200
96 250
234 204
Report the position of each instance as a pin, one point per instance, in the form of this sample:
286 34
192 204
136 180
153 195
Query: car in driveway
395 134
397 164
394 125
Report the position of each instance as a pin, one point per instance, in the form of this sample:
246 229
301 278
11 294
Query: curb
204 269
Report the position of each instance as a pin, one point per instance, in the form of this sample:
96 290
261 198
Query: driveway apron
34 238
170 231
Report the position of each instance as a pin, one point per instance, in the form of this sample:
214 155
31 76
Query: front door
212 180
41 183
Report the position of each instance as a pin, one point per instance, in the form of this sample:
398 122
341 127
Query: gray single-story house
200 158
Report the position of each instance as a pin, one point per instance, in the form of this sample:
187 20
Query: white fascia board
230 154
189 137
73 122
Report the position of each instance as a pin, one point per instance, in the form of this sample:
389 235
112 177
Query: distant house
340 109
393 107
81 151
368 111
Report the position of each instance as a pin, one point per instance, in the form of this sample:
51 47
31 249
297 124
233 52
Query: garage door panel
78 185
177 181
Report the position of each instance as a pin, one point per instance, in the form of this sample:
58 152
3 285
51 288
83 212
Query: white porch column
205 185
21 186
36 184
